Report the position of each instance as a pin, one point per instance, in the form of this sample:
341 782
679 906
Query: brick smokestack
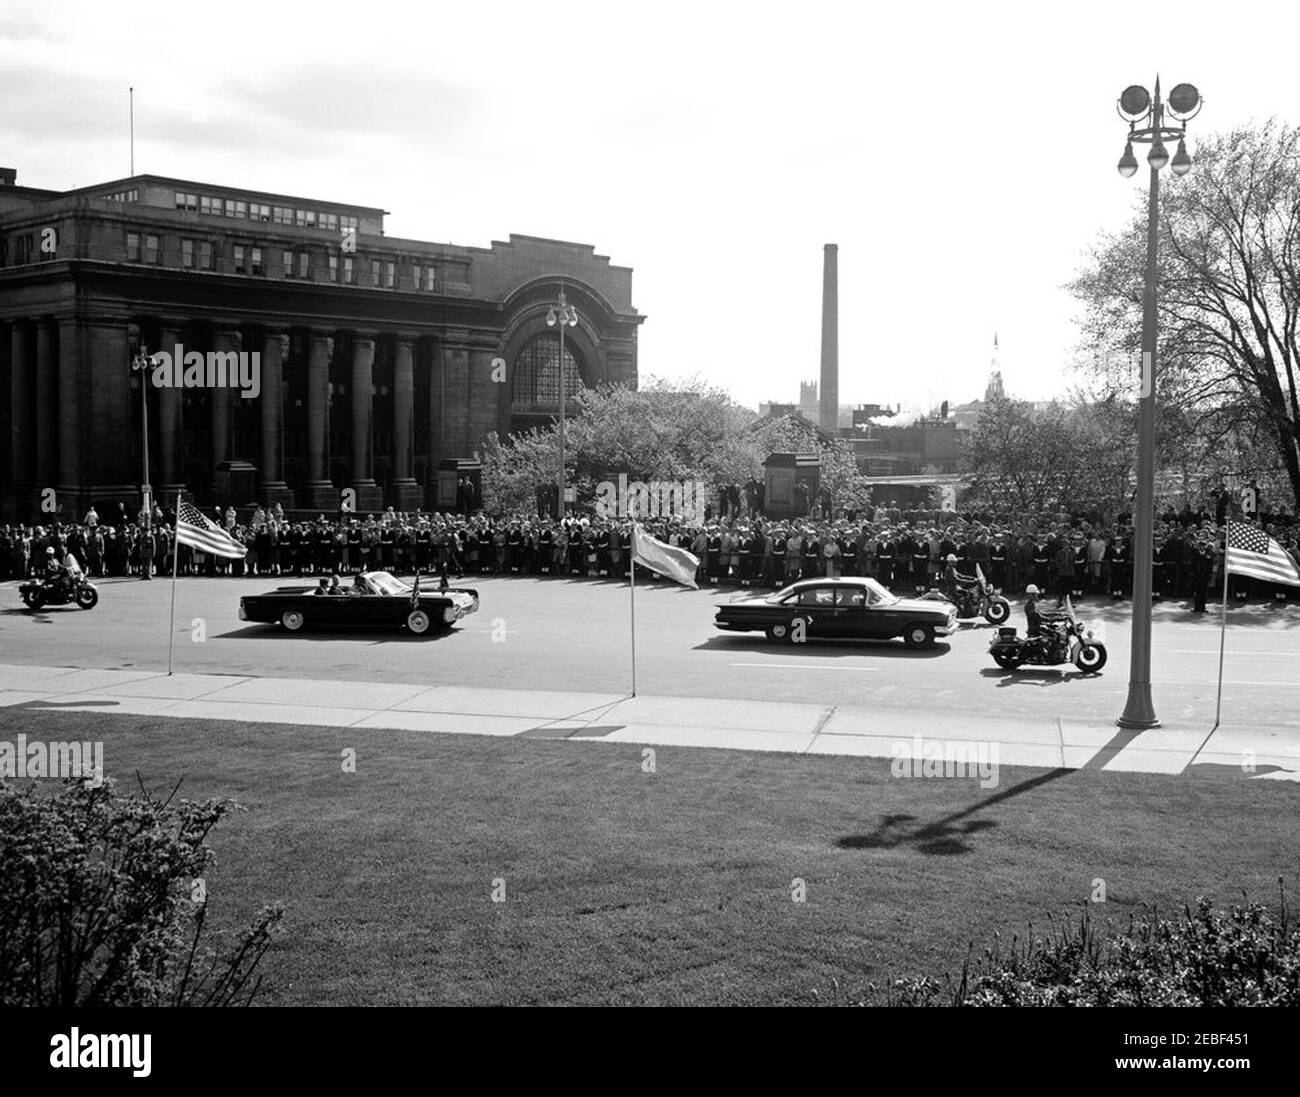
830 382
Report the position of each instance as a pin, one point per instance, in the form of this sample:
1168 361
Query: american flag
1253 552
193 529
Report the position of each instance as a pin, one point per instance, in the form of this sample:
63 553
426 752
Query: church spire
994 391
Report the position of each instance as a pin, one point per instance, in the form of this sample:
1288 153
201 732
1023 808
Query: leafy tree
1228 297
678 432
1022 459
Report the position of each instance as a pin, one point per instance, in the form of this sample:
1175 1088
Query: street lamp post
566 316
1146 122
142 363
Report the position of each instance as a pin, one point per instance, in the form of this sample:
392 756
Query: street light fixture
142 363
1146 125
567 316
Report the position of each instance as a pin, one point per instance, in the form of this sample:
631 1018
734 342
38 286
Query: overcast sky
961 155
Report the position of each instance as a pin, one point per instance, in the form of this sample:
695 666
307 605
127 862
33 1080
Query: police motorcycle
978 599
60 590
1063 639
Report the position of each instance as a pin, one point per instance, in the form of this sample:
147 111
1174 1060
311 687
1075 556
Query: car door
879 621
327 609
852 615
816 605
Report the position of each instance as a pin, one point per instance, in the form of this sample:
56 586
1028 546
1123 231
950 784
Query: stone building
379 359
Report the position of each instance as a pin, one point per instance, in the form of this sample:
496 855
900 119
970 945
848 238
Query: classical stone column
224 341
169 420
22 394
274 489
53 430
321 494
407 493
363 361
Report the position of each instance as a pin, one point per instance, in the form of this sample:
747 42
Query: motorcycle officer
1050 636
952 581
57 575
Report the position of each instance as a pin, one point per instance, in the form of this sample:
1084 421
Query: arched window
537 375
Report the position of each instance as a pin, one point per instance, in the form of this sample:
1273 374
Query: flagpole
176 552
1218 698
1223 625
631 574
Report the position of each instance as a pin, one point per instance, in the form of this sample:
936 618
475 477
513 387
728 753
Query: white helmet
1032 589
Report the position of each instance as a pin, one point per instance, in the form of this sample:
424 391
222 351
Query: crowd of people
906 551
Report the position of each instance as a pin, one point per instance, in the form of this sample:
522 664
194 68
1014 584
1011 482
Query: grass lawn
666 888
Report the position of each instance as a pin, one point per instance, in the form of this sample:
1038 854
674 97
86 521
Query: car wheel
999 610
1090 658
778 634
35 600
418 622
1007 660
87 597
918 636
292 620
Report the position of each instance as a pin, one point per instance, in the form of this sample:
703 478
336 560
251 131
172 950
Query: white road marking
1227 683
802 666
1235 651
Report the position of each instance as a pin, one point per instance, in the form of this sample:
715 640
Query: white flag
675 563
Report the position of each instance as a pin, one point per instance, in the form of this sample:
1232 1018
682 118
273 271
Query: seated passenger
334 587
359 585
322 587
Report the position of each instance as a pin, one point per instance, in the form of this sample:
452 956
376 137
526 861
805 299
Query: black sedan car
850 608
373 599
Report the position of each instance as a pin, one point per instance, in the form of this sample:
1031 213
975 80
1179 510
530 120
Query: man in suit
812 554
1119 555
998 561
778 539
849 542
921 553
886 549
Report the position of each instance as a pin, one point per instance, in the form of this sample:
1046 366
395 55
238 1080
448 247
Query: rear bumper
456 610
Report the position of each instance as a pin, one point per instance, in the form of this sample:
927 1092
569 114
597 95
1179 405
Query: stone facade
379 357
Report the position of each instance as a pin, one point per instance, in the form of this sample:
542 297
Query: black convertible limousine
374 599
850 608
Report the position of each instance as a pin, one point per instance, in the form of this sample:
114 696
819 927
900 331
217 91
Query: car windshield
381 582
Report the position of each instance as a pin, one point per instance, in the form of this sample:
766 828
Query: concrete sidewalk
1046 741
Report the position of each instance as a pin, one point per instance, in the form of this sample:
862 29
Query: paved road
574 635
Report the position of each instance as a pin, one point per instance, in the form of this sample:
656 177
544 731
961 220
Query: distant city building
809 404
382 360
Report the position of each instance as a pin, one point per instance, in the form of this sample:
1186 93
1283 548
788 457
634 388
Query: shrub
1204 957
102 901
